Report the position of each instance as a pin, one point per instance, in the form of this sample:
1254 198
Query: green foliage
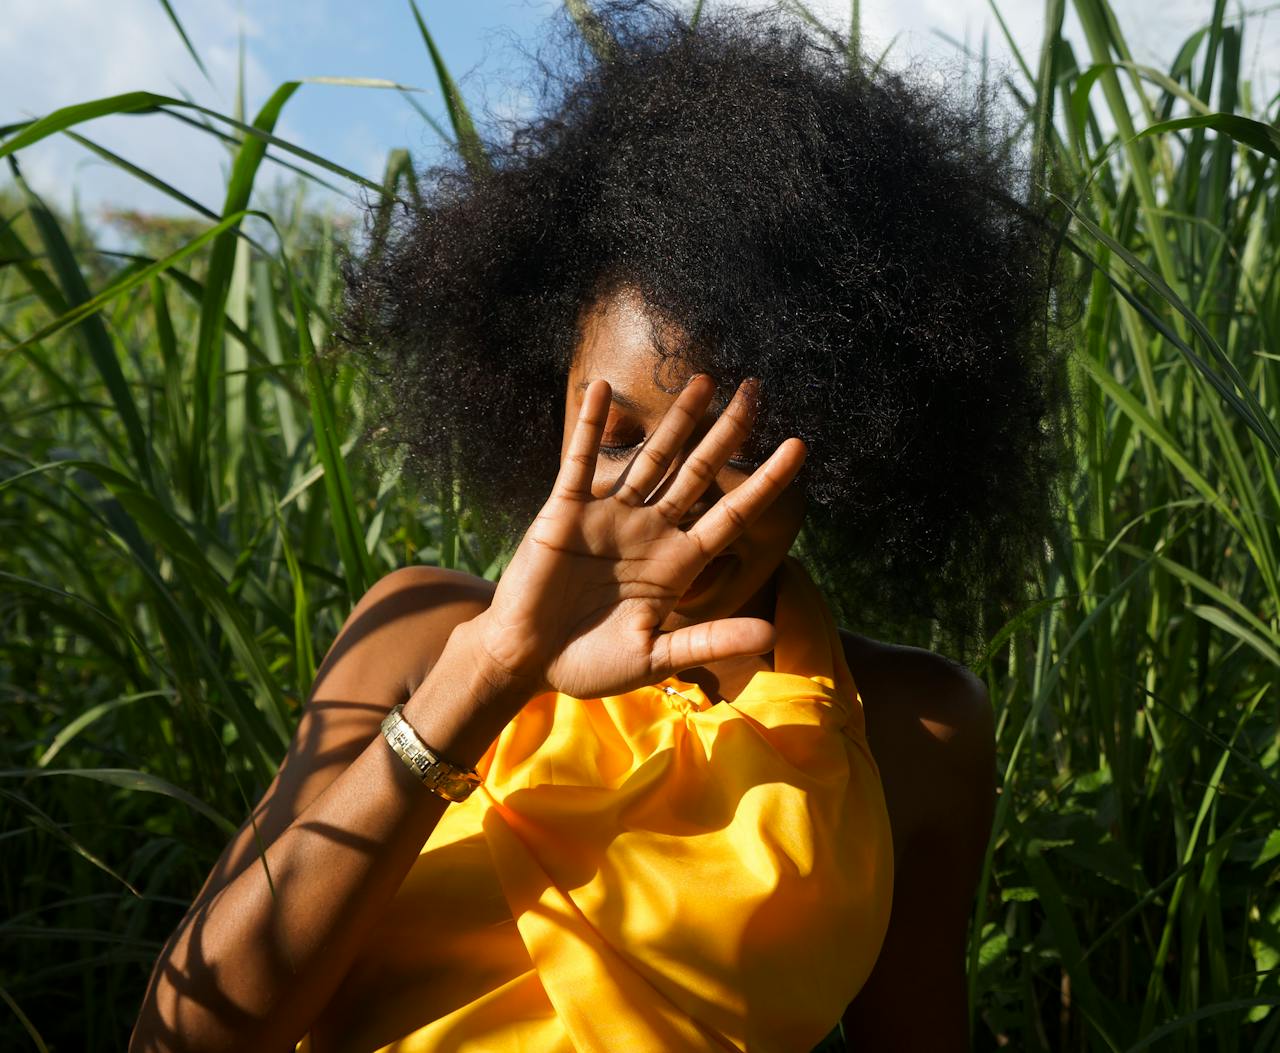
1131 898
170 570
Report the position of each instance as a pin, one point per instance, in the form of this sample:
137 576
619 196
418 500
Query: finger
702 465
578 469
742 505
650 464
710 642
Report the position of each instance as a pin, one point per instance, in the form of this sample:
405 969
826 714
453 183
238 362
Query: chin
731 587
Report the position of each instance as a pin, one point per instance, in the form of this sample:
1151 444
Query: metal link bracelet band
438 775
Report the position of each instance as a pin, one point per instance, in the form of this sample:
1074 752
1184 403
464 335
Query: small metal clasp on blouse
695 704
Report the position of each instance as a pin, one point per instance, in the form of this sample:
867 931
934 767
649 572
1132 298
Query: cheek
778 526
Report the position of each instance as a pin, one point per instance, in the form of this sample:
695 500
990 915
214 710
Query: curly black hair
859 240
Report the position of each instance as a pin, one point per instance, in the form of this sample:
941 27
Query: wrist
501 659
466 699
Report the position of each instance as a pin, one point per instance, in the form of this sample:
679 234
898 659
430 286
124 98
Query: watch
438 775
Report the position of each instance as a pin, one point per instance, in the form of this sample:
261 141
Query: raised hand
578 609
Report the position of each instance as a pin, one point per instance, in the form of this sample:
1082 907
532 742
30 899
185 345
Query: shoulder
931 730
914 688
402 623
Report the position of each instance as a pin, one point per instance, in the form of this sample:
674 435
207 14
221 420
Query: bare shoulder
931 731
399 627
915 687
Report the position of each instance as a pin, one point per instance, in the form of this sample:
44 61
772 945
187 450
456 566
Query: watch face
456 787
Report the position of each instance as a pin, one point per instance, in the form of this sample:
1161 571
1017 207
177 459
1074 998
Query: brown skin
253 966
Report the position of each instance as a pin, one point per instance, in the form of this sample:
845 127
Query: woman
727 296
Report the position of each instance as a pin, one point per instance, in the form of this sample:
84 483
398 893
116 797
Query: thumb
710 642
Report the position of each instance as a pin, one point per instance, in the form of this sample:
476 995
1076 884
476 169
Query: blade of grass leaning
186 40
593 29
1046 79
1181 1023
464 130
232 143
142 175
435 125
1265 138
267 316
213 309
1085 994
1097 20
90 716
345 520
93 332
25 1021
128 779
304 655
96 303
1238 392
1132 408
26 133
1052 24
40 820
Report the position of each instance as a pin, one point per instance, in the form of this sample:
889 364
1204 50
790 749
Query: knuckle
735 517
653 456
670 513
700 468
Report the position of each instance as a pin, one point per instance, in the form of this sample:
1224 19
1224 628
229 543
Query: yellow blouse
645 872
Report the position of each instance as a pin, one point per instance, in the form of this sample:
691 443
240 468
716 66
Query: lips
709 575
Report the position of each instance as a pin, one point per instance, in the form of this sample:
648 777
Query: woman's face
616 345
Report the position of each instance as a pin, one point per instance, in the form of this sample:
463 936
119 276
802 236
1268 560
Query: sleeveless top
645 872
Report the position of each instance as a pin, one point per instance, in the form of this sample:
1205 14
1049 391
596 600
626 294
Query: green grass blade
130 281
127 779
41 820
94 333
186 40
30 132
25 1021
142 175
344 518
90 716
213 309
26 133
594 32
468 139
1265 138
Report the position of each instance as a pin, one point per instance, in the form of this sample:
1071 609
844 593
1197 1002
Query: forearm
254 963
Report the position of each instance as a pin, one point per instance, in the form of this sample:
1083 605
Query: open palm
579 608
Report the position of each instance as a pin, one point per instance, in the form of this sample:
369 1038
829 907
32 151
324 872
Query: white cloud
54 53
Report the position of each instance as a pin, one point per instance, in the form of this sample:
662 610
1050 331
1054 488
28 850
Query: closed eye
618 453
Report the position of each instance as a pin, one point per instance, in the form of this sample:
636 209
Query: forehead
616 343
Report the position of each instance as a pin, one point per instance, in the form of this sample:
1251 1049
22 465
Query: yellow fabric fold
645 872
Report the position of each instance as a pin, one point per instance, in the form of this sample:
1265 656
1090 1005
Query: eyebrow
622 400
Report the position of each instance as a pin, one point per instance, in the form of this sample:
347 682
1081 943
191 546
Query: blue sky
57 52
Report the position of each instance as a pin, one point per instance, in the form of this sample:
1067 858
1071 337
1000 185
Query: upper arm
392 637
943 756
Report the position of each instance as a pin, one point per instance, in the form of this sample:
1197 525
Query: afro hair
859 240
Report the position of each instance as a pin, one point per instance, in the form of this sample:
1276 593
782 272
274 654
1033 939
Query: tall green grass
184 524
